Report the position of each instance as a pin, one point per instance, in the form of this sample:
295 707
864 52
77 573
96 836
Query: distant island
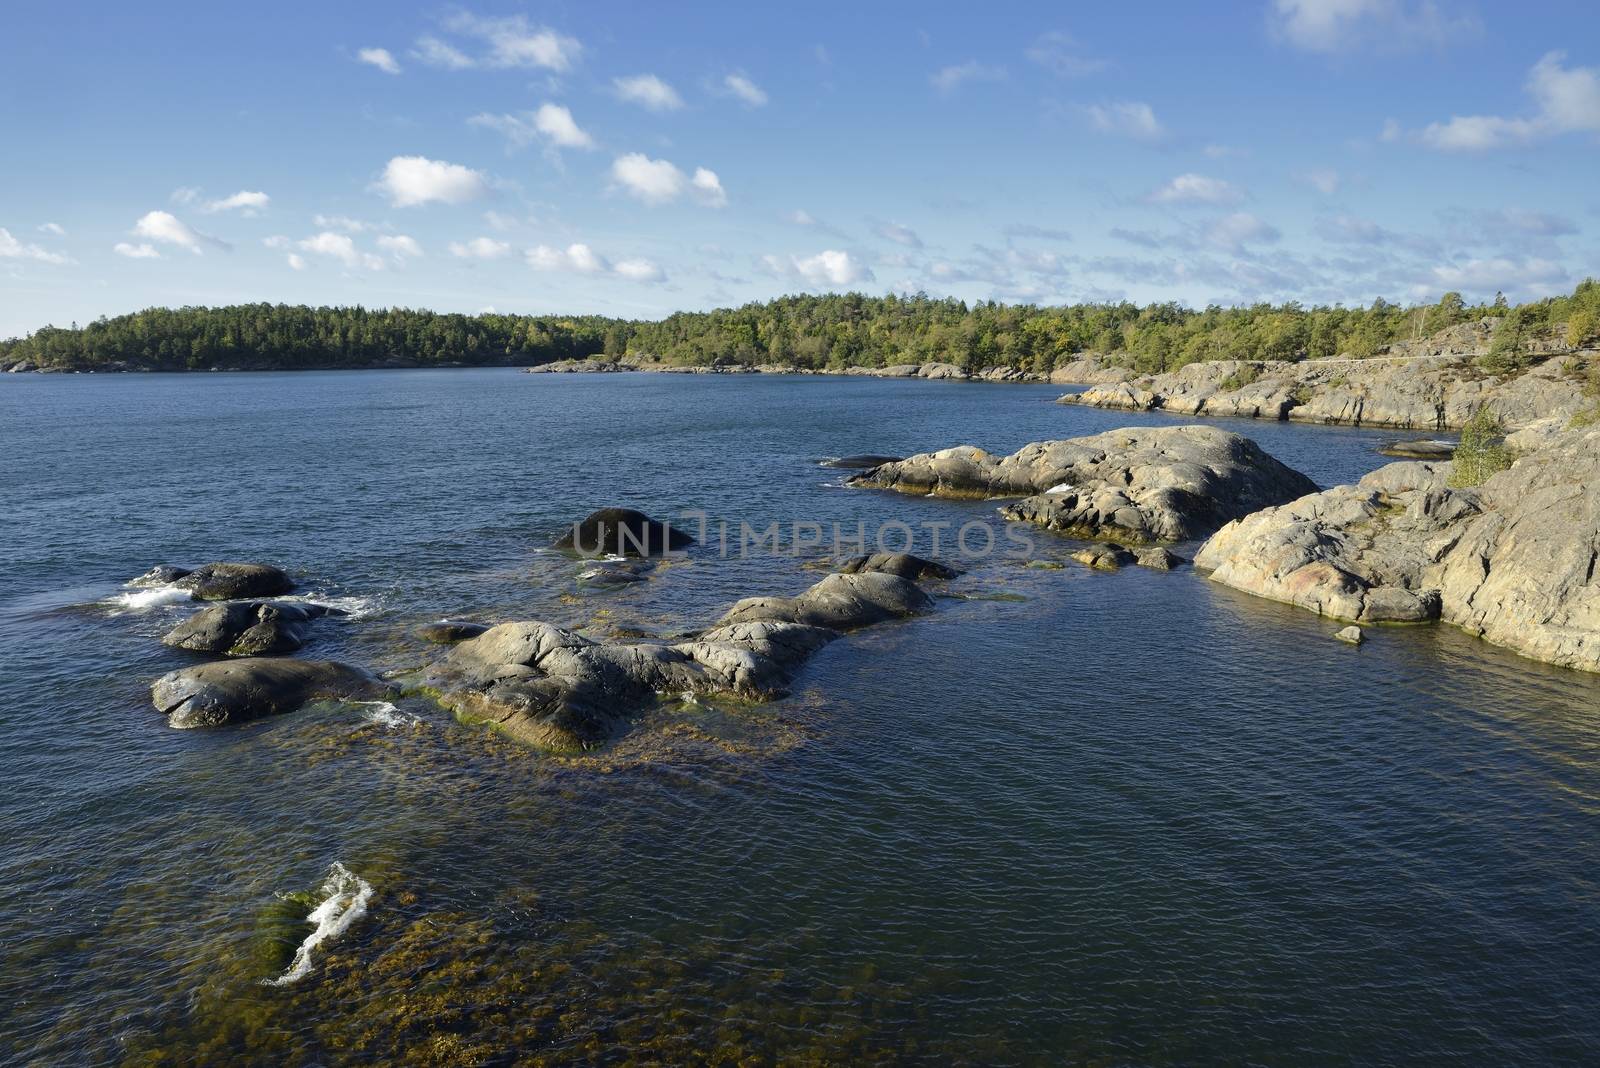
833 332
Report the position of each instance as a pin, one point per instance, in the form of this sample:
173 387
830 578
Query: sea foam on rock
219 581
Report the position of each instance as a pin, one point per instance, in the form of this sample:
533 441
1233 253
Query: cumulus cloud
579 258
830 267
949 79
638 270
647 91
341 222
659 181
142 251
243 201
409 181
744 89
480 248
13 249
1195 189
296 261
1060 54
1233 232
53 229
381 58
508 42
1566 100
1126 118
168 229
400 246
1330 26
900 235
552 124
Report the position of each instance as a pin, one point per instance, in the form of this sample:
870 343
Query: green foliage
1508 352
1482 451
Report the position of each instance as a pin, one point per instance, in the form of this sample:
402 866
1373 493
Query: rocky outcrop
1423 392
586 366
905 565
1107 557
233 691
246 628
622 532
1513 561
1140 484
219 582
559 690
860 461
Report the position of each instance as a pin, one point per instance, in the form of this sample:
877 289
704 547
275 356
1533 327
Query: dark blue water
1069 816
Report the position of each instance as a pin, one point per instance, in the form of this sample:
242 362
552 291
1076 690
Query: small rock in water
862 462
160 575
246 628
1107 557
1158 559
450 631
1351 634
225 582
1418 450
232 691
905 565
622 532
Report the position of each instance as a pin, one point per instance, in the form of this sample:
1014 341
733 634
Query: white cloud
380 58
647 91
658 181
949 79
169 229
900 235
340 247
1126 118
1336 25
1324 180
245 201
277 241
830 267
552 123
185 194
400 246
639 270
480 248
54 229
413 180
435 53
746 90
1567 100
802 218
1061 54
1195 189
512 42
1233 232
1502 274
12 249
577 258
142 251
341 222
296 261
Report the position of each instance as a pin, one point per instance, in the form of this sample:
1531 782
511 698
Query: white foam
385 714
344 901
352 607
150 597
1063 487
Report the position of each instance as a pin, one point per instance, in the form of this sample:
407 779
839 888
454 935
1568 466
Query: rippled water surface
1068 816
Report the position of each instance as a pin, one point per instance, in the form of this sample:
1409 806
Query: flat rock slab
234 691
1140 484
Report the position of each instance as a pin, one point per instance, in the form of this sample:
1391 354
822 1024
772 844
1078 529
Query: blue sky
636 159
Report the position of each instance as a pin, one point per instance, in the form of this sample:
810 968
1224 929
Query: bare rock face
559 690
1141 484
246 628
1514 561
1435 387
233 691
1351 552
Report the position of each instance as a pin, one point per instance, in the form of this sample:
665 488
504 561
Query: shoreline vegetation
818 333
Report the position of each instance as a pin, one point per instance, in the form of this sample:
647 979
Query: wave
345 897
351 607
141 600
385 714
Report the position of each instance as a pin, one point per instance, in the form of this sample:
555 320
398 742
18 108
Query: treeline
809 331
292 337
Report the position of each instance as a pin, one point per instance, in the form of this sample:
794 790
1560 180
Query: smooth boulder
246 628
622 532
232 581
1107 556
904 565
233 691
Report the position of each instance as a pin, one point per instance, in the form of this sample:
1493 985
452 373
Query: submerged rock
622 532
556 689
1105 557
1418 450
860 462
449 631
1158 558
1140 484
905 565
229 581
1351 634
232 691
246 628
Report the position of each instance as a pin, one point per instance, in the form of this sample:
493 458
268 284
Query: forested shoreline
811 332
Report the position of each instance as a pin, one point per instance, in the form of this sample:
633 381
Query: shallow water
1125 818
